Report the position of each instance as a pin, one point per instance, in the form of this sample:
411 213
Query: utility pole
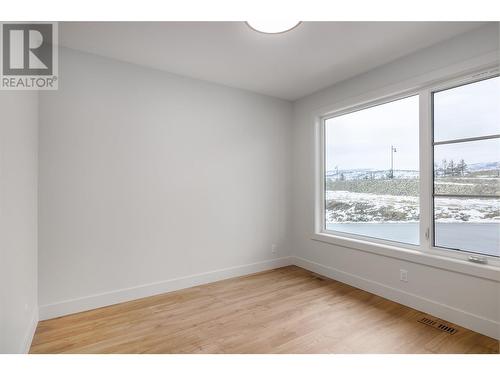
393 151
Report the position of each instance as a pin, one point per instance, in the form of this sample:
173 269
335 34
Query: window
421 170
466 146
372 172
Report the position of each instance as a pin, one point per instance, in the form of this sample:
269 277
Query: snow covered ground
350 207
470 210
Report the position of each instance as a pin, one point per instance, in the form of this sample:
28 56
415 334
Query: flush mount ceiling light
273 27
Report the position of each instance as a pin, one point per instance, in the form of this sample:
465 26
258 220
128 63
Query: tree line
450 168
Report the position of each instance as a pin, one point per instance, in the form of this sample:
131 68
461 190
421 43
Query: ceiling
288 66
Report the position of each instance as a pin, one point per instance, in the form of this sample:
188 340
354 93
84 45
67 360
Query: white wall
467 300
147 176
18 219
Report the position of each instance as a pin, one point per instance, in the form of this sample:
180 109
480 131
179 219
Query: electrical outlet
403 275
274 248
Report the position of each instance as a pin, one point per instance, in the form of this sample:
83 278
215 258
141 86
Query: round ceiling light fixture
273 26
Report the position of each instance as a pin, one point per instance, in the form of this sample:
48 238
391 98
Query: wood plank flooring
287 310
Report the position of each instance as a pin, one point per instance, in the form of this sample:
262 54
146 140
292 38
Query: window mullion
426 168
471 139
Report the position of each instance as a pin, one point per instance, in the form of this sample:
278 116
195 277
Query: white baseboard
474 322
113 297
452 314
30 332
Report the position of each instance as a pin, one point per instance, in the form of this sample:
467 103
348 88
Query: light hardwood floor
287 310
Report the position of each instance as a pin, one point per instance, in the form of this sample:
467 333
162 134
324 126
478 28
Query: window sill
484 271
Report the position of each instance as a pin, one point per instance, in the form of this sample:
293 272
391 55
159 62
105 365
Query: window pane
467 168
467 111
468 172
372 172
470 224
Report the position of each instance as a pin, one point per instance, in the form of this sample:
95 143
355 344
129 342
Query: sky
472 152
467 111
363 139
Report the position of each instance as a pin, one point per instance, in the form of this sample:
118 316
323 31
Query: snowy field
469 224
349 207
